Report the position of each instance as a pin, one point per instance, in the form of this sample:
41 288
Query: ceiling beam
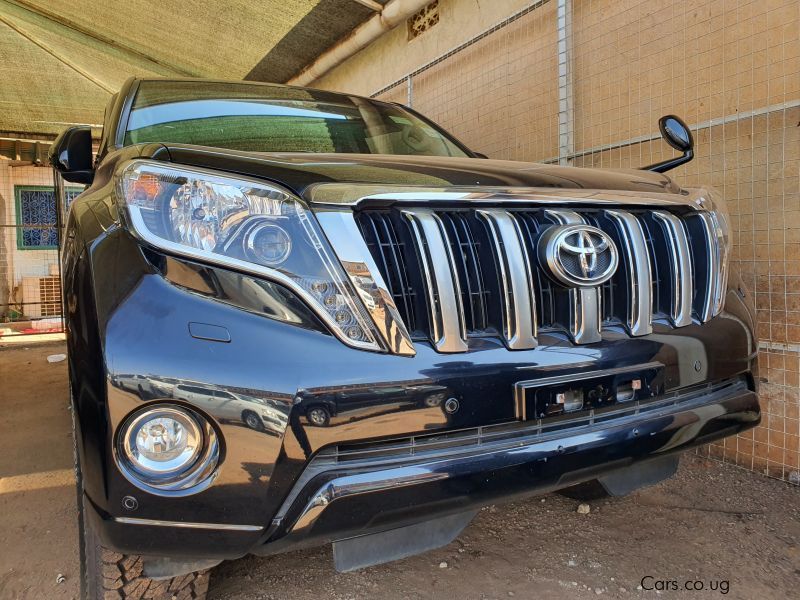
392 14
377 7
97 37
24 150
12 136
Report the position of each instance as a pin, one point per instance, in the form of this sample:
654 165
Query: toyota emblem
578 255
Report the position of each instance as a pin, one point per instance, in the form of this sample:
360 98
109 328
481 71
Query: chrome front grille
460 273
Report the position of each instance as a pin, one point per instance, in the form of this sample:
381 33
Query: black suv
297 317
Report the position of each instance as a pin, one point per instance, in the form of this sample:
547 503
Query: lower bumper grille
495 462
441 444
461 273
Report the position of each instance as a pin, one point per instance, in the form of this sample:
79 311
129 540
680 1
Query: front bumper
352 493
369 488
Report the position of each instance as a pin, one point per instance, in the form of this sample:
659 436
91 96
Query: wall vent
423 20
41 296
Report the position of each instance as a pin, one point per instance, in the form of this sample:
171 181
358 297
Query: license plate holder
540 398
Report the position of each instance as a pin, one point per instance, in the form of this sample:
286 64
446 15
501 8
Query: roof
61 60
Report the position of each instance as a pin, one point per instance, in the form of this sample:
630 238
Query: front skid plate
378 548
646 473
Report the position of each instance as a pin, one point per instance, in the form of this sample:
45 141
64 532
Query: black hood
300 172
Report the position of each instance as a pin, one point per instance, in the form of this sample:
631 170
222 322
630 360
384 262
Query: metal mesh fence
31 216
583 83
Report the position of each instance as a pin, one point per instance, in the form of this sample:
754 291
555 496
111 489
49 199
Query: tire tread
128 583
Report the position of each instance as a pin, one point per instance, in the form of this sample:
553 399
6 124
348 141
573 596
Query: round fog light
167 447
166 442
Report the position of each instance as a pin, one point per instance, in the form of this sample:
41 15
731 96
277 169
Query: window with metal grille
36 216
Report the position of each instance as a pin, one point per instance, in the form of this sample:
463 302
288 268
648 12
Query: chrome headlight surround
190 472
214 217
712 203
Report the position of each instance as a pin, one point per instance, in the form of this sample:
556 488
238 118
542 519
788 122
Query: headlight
168 448
248 225
713 202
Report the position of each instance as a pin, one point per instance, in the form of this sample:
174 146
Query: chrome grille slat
365 275
446 311
714 266
639 319
458 273
519 301
681 268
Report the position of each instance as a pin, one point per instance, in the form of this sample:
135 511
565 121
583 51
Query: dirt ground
713 526
38 533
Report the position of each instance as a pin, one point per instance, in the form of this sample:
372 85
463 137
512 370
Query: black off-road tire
108 575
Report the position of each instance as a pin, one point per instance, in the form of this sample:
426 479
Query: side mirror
71 155
677 134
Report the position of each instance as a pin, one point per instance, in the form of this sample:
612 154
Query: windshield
264 118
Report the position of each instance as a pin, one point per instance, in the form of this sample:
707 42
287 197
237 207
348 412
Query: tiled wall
731 69
499 95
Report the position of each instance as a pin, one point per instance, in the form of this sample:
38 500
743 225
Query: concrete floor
712 525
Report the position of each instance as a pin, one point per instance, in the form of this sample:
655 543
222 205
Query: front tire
252 420
318 416
109 575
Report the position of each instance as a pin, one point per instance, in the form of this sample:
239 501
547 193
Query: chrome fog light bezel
189 477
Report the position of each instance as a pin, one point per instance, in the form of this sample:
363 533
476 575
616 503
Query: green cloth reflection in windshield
265 118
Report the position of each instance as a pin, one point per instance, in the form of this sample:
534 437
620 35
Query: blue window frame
36 216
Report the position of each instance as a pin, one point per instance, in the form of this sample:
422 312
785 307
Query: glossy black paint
71 154
129 310
300 172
